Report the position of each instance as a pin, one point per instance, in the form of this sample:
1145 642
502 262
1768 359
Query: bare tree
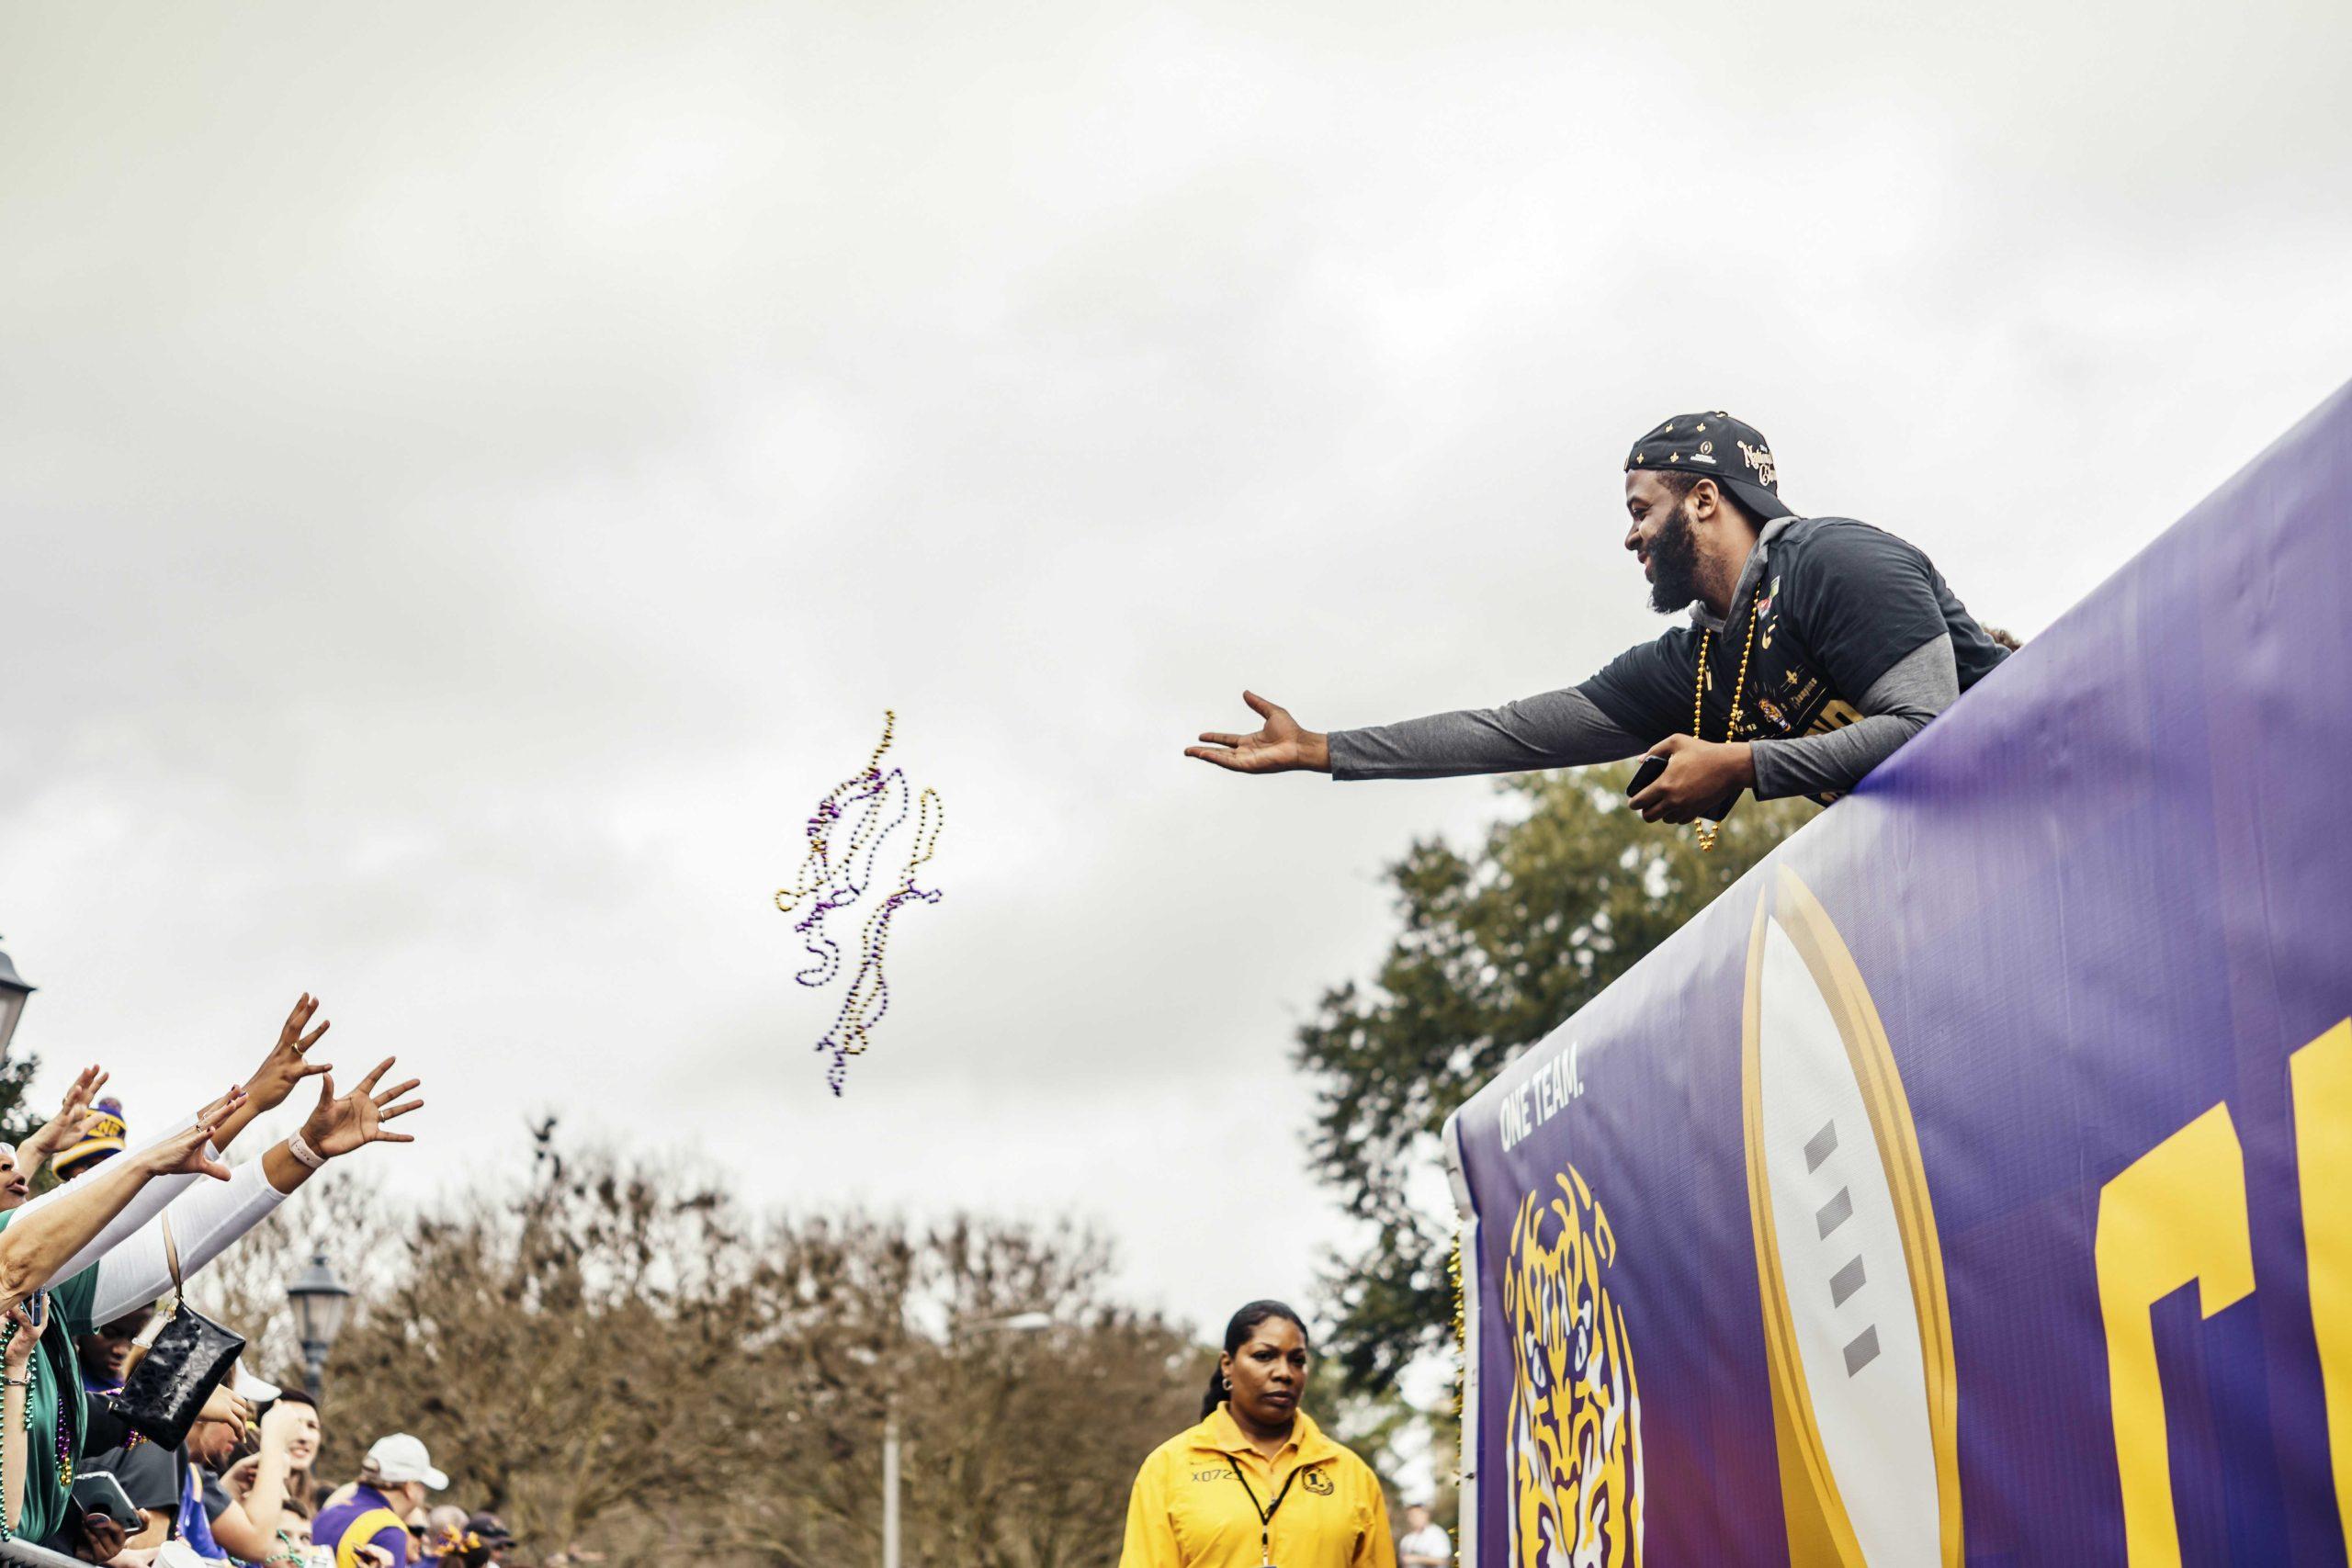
617 1357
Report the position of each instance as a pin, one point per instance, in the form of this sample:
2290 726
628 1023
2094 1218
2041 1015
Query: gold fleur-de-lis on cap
1703 424
1677 457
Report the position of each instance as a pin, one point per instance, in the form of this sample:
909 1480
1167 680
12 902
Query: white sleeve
144 1205
204 1224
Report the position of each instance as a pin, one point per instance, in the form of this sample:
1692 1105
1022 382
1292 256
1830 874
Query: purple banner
1972 1182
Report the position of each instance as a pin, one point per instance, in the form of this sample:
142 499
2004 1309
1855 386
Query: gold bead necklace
1732 721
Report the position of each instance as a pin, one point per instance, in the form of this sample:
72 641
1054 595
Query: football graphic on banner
1857 1331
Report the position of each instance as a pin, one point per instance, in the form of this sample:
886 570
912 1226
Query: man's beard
1674 564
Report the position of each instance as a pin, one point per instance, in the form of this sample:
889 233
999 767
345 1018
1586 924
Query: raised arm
206 1221
150 1198
249 1528
65 1126
286 1064
39 1239
271 1083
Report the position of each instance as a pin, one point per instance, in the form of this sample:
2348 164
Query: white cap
400 1458
251 1389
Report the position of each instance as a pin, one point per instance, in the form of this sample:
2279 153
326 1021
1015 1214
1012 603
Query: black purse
189 1357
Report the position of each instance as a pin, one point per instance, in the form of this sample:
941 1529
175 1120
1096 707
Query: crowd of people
91 1271
91 1277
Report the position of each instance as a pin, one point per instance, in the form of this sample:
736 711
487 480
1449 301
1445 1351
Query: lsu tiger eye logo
1576 1406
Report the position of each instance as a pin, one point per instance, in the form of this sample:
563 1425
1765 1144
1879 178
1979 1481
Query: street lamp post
319 1301
1018 1323
890 1486
13 992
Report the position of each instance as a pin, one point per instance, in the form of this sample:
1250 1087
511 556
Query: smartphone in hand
98 1491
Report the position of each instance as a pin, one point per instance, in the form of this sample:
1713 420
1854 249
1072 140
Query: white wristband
304 1153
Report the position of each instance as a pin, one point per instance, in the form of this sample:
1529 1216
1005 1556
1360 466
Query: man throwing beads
1815 647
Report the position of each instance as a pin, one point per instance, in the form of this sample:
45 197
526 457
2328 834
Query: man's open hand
1279 747
1699 775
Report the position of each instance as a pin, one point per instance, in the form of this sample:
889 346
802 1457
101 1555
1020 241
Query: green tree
1497 950
18 1120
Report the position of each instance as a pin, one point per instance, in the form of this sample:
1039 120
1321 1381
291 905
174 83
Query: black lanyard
1265 1516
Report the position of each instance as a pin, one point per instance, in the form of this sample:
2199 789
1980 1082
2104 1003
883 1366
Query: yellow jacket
1189 1508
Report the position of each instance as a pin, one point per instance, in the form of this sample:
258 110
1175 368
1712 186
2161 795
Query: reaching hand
285 1423
184 1152
1279 747
75 1108
286 1065
228 1408
338 1126
239 1478
67 1124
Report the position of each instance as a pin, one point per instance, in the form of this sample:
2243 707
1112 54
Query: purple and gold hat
103 1135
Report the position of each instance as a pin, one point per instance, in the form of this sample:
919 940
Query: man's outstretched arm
1558 729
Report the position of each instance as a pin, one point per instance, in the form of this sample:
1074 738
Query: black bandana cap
1728 451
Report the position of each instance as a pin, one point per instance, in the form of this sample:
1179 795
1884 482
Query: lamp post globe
319 1301
13 992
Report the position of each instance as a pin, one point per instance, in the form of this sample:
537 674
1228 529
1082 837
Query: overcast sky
472 476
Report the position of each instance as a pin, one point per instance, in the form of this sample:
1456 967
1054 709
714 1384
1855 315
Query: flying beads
877 801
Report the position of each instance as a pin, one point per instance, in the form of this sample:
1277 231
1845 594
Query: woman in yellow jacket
1256 1483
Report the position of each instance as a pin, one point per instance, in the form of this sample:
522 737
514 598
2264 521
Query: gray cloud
473 478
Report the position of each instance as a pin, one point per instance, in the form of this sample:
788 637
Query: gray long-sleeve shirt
1570 728
1566 730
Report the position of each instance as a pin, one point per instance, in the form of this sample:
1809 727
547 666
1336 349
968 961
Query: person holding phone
204 1222
32 1246
28 1321
1256 1483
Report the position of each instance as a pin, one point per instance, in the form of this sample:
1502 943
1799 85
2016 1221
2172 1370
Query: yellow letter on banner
2321 1075
2175 1214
